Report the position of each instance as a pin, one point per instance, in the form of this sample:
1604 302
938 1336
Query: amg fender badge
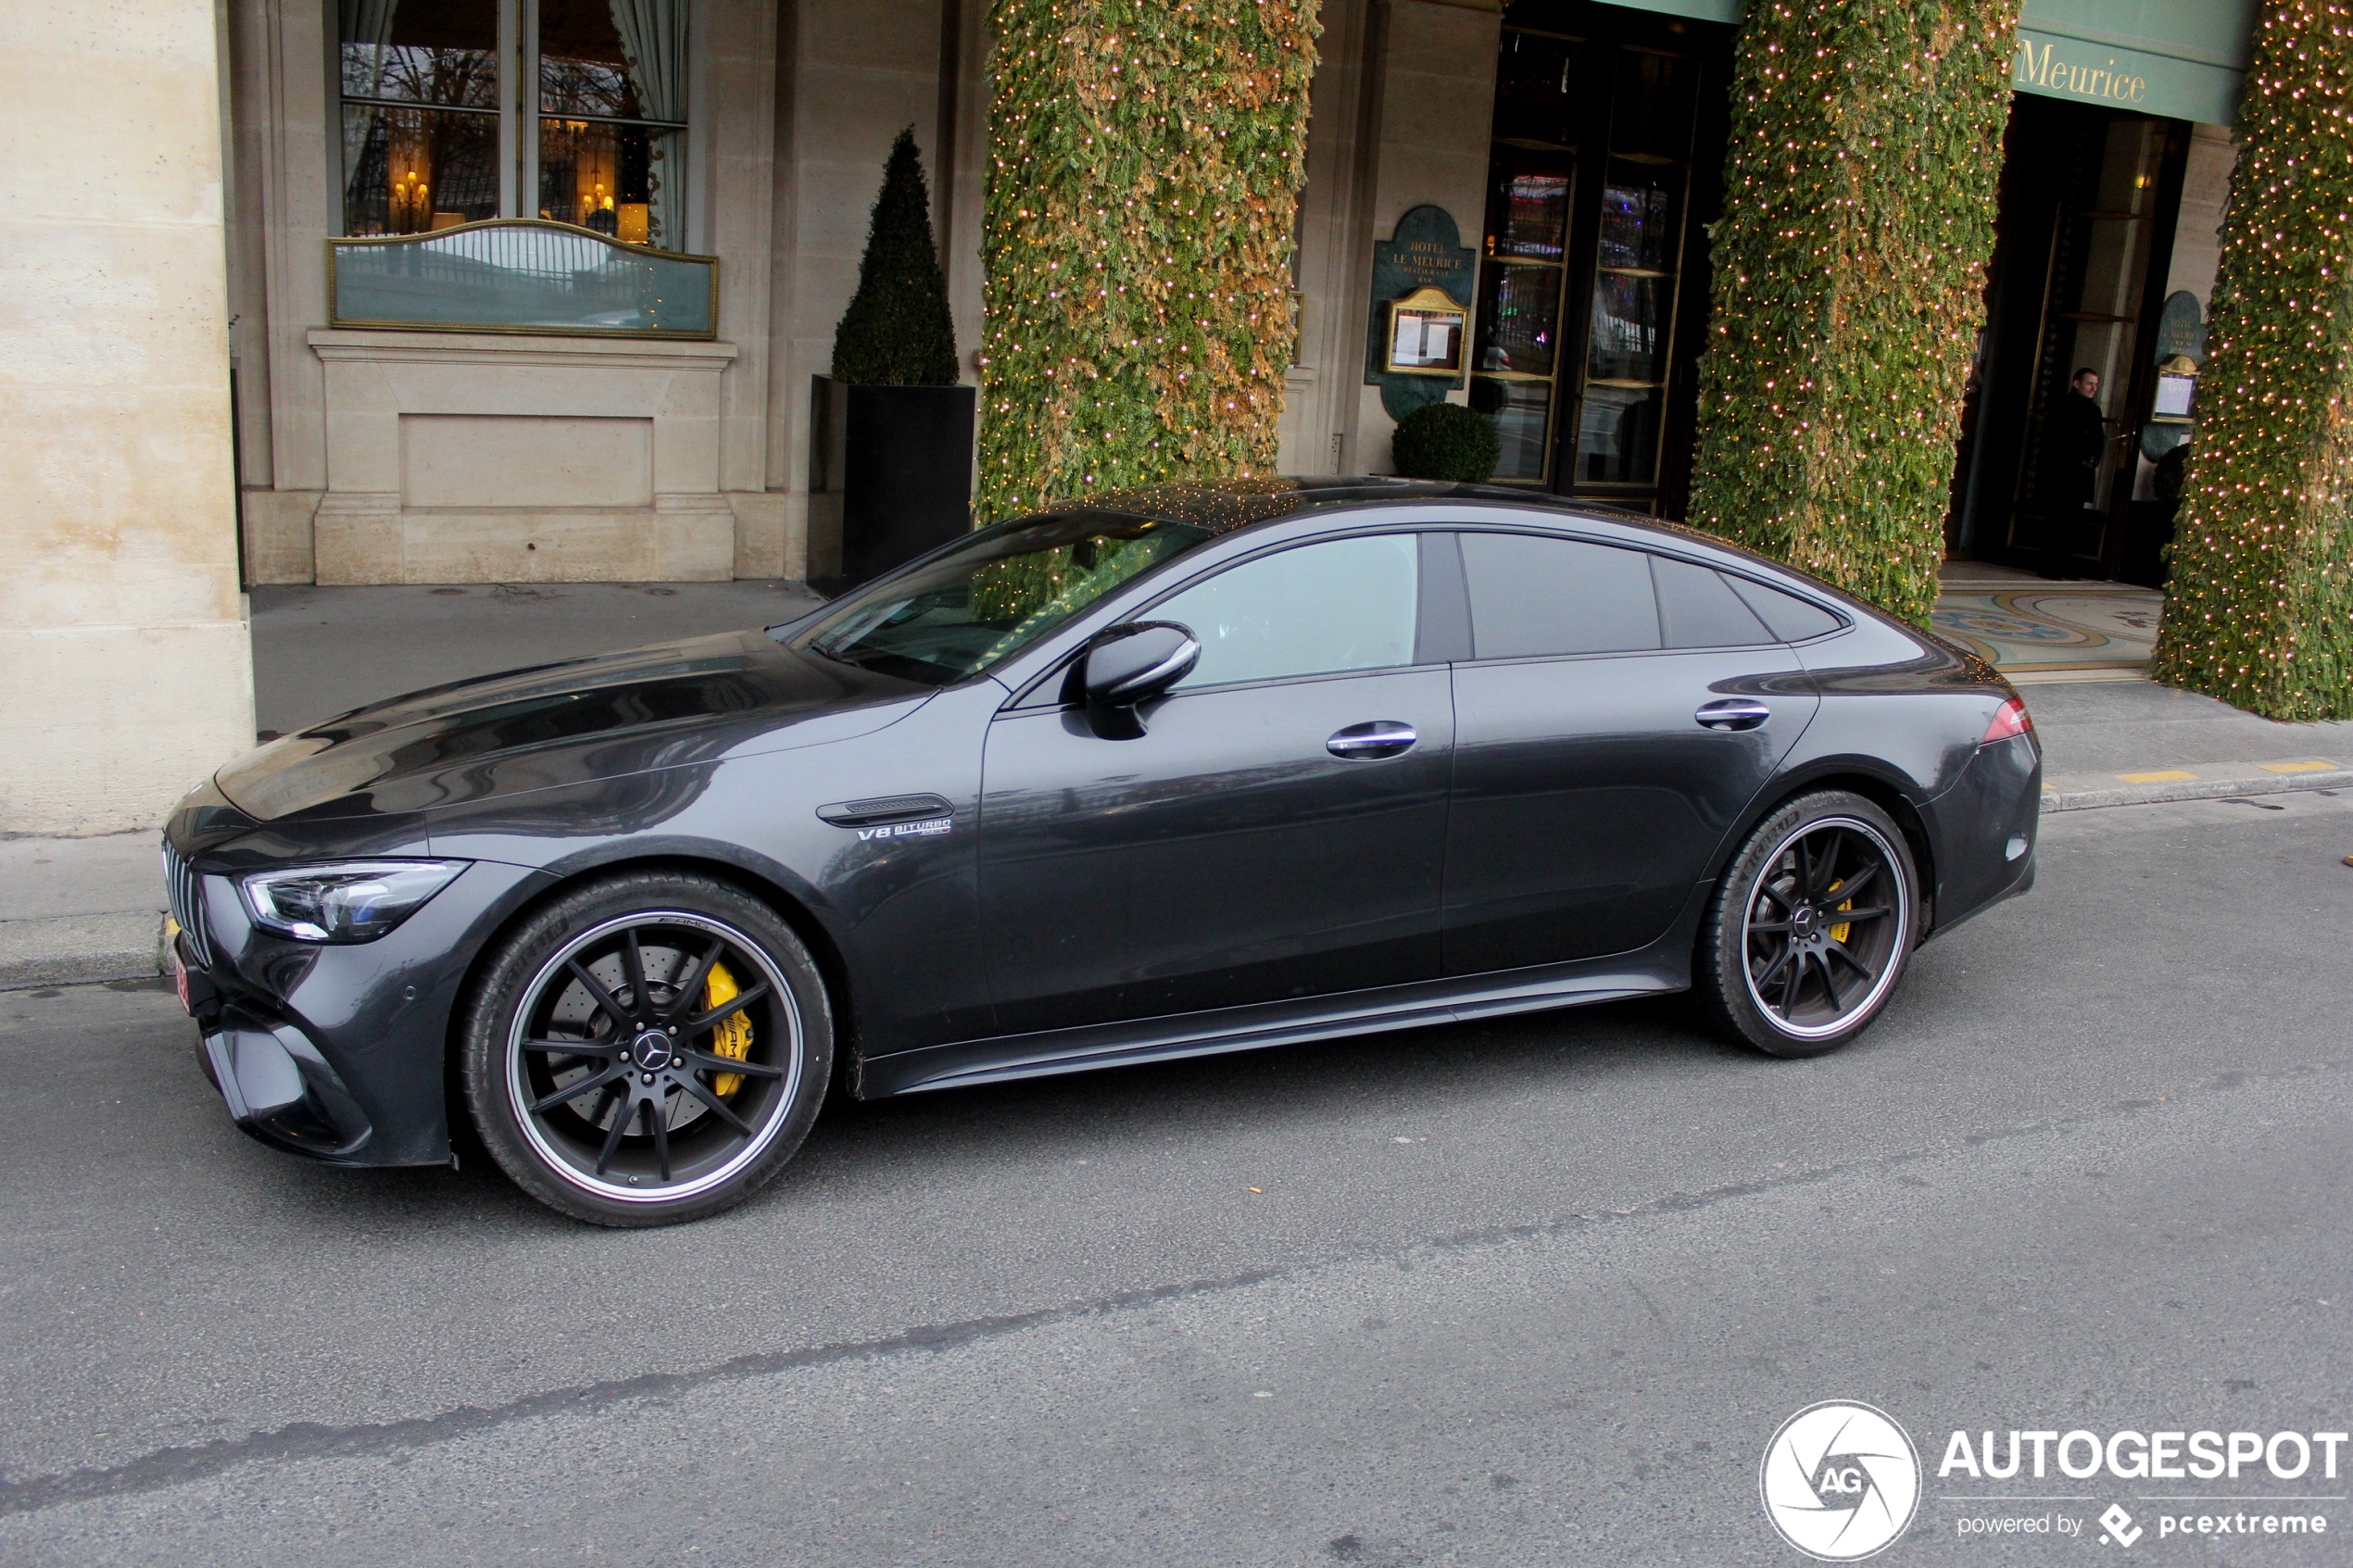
906 830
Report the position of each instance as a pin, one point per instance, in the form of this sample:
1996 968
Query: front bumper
279 1086
340 1052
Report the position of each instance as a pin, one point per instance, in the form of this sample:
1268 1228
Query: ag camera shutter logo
1840 1481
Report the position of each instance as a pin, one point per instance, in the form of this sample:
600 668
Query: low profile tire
1811 928
647 1049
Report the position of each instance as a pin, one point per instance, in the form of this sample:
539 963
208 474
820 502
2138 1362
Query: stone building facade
196 418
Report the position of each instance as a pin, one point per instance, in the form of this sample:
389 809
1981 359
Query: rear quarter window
1791 619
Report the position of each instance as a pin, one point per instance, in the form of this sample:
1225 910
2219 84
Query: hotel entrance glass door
1607 140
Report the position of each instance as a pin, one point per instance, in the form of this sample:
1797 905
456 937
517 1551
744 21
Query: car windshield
993 594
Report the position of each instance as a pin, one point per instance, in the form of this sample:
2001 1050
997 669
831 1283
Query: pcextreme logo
1841 1480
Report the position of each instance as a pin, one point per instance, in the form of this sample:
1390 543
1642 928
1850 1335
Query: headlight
357 901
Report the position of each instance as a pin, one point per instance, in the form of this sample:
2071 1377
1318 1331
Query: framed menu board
1426 331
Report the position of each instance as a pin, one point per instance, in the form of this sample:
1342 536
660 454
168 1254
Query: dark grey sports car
1186 771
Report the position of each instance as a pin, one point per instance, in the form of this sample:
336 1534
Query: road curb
2080 795
81 949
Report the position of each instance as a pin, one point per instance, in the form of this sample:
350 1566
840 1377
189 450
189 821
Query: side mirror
1129 665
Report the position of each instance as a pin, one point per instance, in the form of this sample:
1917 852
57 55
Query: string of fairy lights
1144 164
2259 602
1849 283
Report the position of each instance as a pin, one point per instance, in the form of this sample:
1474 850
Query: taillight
2011 719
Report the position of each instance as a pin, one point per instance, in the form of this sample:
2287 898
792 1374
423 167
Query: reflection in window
1518 309
1587 194
1629 342
997 591
1638 217
1317 609
1527 204
1651 118
1522 411
1531 89
1617 435
420 115
423 101
520 274
612 86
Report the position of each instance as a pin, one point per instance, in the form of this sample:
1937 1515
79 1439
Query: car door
1277 831
1619 709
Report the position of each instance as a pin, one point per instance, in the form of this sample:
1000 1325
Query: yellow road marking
2165 776
2315 766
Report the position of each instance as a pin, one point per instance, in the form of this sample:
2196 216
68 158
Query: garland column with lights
1850 282
1145 160
2259 610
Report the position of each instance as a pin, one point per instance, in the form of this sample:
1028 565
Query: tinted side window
1791 619
1536 596
1346 604
1698 609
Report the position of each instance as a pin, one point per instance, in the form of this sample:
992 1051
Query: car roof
1230 505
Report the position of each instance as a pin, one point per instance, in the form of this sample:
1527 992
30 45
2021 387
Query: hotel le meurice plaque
1415 348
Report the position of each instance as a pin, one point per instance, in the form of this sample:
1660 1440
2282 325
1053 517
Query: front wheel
647 1049
1811 927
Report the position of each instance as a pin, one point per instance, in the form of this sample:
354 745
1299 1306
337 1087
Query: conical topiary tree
898 330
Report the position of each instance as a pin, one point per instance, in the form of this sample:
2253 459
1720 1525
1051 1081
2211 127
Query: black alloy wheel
1811 927
647 1049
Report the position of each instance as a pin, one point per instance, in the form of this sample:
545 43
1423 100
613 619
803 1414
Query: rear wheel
1811 928
647 1049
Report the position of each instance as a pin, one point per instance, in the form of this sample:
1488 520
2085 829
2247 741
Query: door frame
1996 441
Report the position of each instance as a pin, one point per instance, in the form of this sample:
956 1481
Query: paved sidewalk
318 652
80 909
2121 743
92 908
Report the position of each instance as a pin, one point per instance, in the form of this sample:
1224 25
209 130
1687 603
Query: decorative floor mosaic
2053 630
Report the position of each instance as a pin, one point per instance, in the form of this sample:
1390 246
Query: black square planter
902 456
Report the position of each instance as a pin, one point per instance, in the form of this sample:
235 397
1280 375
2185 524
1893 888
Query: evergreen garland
2259 604
1145 160
1850 283
898 330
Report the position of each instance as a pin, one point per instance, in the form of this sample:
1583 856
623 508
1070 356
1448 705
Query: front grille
187 903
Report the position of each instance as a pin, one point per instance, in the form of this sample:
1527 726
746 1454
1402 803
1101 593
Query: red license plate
180 980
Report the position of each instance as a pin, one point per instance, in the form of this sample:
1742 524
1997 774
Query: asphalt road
1528 1292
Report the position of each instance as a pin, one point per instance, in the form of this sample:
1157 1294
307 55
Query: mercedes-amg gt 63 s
1189 770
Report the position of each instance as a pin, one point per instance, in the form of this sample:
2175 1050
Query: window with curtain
436 134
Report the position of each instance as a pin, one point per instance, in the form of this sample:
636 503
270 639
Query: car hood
665 705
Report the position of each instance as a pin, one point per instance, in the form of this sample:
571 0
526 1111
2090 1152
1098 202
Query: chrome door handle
1368 742
1733 713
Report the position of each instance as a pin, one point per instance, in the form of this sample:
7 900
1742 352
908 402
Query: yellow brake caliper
732 1037
1838 933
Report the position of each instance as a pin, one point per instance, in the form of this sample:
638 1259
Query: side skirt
1662 967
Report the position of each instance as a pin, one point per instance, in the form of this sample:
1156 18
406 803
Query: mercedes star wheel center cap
653 1050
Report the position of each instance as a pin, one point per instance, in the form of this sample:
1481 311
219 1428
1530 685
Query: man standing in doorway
2073 442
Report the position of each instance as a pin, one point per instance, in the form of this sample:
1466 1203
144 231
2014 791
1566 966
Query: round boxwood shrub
1445 440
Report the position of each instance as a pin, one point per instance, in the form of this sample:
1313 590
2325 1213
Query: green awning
2180 59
